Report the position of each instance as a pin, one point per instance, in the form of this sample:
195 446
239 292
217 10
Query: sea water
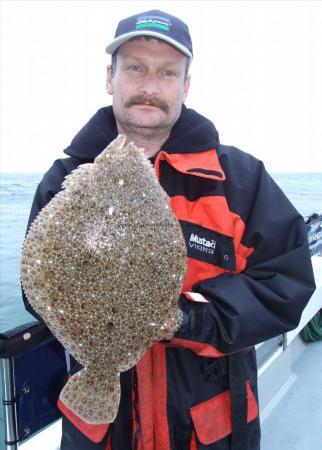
17 191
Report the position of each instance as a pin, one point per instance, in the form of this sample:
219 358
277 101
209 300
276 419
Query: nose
150 85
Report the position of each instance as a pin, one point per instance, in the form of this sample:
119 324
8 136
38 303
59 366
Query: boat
35 367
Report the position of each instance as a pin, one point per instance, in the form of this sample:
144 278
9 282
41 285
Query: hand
191 318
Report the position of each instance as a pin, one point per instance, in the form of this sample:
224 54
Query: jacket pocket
212 418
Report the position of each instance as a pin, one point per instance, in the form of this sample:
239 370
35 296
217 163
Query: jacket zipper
136 410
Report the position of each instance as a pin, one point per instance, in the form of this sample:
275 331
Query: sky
256 74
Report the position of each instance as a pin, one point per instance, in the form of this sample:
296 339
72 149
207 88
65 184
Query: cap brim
110 49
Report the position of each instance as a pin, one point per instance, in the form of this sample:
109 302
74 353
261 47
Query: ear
109 84
186 88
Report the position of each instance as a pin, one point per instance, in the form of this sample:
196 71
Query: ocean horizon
17 189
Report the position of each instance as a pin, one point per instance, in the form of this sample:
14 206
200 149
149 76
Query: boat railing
314 233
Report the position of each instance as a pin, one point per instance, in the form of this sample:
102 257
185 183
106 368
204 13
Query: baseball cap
153 23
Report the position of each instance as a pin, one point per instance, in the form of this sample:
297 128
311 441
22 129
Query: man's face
148 86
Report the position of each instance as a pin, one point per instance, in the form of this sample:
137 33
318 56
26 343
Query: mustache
153 101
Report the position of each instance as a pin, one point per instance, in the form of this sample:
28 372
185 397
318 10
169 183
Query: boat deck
295 423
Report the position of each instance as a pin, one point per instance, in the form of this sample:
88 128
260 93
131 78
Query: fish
103 264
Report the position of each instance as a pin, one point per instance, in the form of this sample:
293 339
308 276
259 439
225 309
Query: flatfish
103 264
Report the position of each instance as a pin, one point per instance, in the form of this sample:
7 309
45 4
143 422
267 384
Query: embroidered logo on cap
153 22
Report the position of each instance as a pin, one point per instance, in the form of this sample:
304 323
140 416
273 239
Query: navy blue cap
153 23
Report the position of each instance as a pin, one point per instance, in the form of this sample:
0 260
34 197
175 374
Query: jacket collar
201 164
192 133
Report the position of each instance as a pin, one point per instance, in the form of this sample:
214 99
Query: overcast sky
257 73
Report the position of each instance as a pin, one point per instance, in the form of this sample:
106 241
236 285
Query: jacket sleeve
240 310
49 186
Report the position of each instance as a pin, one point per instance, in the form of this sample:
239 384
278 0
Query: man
249 272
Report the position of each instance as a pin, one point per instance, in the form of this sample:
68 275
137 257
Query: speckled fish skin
103 264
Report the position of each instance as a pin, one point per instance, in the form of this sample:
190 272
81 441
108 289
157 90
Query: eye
135 68
168 73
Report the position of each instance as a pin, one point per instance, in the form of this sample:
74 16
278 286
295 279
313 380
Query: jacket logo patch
202 244
208 245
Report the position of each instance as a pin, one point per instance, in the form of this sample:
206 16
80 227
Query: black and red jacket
249 278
